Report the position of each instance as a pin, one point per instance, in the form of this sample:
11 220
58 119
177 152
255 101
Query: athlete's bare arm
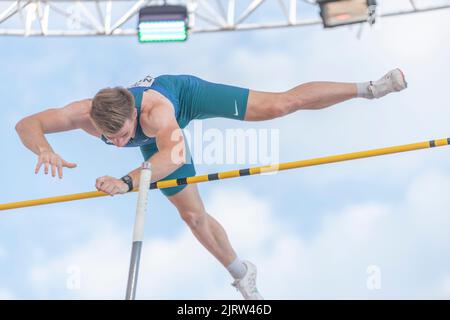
32 130
170 142
160 123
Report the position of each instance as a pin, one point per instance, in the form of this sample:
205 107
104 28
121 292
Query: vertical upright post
138 232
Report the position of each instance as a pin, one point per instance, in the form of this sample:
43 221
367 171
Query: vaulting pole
242 172
138 233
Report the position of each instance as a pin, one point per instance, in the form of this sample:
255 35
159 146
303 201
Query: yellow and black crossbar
242 172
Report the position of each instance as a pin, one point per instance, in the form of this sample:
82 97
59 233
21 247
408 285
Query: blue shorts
198 99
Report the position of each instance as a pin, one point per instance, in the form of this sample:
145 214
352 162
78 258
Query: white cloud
6 295
397 36
446 285
429 205
102 262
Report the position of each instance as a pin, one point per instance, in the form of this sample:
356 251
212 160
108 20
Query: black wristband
127 179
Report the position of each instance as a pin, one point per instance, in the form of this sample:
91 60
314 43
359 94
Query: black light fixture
163 23
343 12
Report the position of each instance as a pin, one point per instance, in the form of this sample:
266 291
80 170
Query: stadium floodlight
163 23
336 13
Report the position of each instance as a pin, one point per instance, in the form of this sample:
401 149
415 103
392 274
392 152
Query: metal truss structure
119 17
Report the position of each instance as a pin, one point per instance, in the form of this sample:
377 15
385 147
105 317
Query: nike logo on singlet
236 113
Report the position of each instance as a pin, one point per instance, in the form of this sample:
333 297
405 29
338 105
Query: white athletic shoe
392 81
247 285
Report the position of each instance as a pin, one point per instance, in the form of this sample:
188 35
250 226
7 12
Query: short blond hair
111 107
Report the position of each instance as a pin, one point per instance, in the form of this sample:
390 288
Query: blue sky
313 232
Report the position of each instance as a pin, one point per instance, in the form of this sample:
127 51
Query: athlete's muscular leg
311 95
204 227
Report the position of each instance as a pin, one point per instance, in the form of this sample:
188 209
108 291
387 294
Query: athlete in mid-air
150 115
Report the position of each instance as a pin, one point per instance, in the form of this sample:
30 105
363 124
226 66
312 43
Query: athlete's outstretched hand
53 160
111 185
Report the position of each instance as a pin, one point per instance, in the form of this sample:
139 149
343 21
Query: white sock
363 90
237 269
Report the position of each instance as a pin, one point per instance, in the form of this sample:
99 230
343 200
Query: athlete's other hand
111 185
53 160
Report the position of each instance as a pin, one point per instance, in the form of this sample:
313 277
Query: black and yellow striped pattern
299 164
242 172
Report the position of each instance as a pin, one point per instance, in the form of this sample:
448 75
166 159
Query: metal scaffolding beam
119 17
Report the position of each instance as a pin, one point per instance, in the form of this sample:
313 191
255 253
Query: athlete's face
124 135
